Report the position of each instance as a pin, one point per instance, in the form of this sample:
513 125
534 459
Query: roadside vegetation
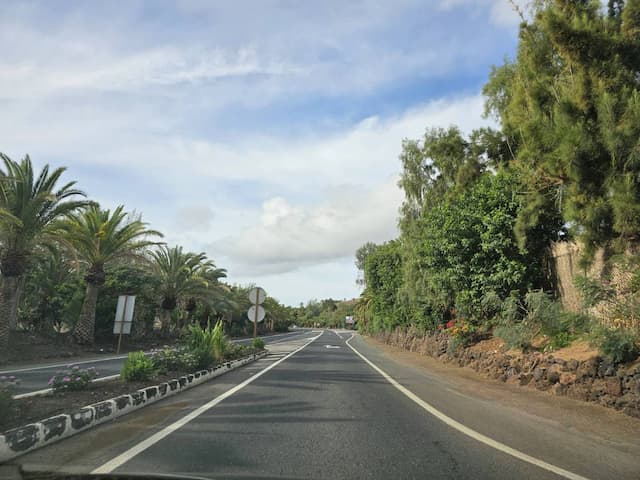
64 260
482 209
73 387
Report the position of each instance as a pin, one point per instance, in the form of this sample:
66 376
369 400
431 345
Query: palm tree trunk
165 320
10 292
15 301
85 328
7 293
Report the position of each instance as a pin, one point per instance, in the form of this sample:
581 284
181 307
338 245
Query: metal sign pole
255 315
124 312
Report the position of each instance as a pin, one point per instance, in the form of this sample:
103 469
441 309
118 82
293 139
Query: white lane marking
466 430
268 336
44 367
118 357
285 339
115 462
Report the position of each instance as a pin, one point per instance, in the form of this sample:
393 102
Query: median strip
35 435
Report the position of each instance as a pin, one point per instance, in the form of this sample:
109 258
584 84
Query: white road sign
124 314
251 314
257 296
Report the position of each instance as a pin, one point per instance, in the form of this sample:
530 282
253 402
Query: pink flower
66 379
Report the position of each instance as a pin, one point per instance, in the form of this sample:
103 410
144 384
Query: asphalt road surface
315 408
36 377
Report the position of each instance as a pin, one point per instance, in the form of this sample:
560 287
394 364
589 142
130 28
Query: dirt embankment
577 372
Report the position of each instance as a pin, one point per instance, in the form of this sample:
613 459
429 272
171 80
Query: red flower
451 323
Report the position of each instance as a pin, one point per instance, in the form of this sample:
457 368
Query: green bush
577 323
619 346
515 335
8 406
538 314
257 344
74 378
235 351
138 367
558 341
208 345
172 360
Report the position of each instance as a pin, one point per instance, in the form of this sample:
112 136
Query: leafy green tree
183 275
98 238
469 249
570 106
383 274
30 205
361 258
126 278
53 293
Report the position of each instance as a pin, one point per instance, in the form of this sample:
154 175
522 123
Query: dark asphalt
324 413
37 377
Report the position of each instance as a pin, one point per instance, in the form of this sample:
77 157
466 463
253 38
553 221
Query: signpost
124 317
256 313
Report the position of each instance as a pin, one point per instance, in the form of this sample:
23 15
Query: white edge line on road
115 462
466 430
118 357
44 367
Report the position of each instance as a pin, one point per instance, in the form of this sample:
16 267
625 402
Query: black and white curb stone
29 437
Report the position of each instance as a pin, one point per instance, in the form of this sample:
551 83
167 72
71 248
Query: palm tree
183 276
29 206
98 238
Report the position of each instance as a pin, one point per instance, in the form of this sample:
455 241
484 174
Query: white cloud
362 153
194 218
501 12
133 106
157 67
286 236
290 237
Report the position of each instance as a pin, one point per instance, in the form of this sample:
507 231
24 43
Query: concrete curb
30 437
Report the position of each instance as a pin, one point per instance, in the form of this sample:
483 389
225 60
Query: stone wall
594 380
566 256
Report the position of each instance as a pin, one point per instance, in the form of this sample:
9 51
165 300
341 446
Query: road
315 408
36 377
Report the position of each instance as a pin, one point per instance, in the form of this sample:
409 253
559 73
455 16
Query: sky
265 133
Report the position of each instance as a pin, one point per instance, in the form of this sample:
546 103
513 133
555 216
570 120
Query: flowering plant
74 378
460 329
8 382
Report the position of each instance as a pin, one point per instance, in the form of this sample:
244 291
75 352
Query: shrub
577 323
257 344
619 345
521 322
74 378
461 331
138 366
207 344
171 360
8 406
236 350
560 340
515 335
